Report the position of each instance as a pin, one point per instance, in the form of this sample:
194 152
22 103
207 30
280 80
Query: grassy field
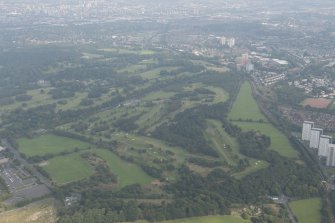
126 172
255 165
48 143
219 137
155 150
36 100
307 211
147 52
70 168
152 74
133 68
39 212
39 99
128 51
158 95
151 116
208 219
66 169
220 140
279 141
73 102
220 94
90 56
142 141
245 106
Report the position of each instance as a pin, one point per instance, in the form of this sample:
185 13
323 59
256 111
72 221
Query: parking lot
21 185
11 178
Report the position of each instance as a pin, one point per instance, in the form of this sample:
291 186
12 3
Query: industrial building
325 141
315 137
306 130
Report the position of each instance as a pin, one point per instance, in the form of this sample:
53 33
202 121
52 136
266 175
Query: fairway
66 169
158 95
220 140
155 73
307 211
48 144
126 172
220 94
279 141
219 137
208 219
255 165
36 100
245 106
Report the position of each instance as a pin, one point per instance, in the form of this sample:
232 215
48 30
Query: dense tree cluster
290 95
187 132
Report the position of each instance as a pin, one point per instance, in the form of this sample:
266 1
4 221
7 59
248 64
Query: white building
306 130
223 40
245 59
331 155
325 141
231 42
315 138
249 67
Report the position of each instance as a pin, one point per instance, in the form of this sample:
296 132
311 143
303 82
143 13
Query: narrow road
290 213
284 201
24 162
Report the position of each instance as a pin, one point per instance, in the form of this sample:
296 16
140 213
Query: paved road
284 201
24 162
290 213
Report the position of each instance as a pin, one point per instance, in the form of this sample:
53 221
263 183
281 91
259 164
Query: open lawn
73 102
128 51
90 56
151 116
37 99
219 137
222 142
48 144
218 69
38 212
245 106
69 168
155 150
307 211
255 165
208 219
279 142
147 52
126 172
154 73
158 95
220 94
143 141
133 68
